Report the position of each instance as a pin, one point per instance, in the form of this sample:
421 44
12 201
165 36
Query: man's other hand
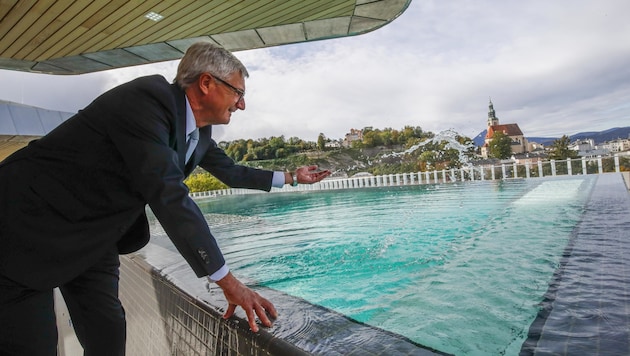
237 294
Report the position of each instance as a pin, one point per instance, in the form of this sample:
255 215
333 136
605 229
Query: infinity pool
461 268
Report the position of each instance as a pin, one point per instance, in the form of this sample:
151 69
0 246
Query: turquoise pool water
458 267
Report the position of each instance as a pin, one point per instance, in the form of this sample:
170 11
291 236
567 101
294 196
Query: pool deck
587 308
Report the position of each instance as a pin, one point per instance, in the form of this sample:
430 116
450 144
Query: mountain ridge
597 136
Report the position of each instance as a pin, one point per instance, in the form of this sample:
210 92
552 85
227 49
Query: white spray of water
450 136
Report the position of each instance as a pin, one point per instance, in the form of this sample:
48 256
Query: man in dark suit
75 199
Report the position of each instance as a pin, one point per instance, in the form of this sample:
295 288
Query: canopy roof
78 36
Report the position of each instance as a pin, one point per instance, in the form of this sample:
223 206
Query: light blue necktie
193 138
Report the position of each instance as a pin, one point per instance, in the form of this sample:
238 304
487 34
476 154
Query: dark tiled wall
164 320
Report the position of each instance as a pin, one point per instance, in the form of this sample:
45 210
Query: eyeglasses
239 92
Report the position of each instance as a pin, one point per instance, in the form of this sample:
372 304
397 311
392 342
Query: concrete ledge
626 179
163 319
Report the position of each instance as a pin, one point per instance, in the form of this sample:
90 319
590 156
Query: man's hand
237 294
310 175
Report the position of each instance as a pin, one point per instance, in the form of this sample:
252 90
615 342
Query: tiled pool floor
587 311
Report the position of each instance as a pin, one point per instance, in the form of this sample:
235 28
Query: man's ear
205 83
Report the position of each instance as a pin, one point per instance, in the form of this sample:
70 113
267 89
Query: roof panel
327 28
183 44
116 58
363 24
50 119
70 64
16 64
282 34
383 10
26 121
237 41
156 52
7 127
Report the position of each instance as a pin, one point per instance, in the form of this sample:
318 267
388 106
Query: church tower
519 142
492 118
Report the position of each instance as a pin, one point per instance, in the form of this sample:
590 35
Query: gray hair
206 57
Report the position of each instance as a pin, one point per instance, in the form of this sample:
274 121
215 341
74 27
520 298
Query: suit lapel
180 125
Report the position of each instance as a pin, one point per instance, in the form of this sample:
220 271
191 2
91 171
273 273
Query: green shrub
203 182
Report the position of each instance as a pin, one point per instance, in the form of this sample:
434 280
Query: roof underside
80 36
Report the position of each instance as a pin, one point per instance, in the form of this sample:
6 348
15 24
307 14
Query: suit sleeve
220 165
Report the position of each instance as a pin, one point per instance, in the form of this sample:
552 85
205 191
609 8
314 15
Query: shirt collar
191 125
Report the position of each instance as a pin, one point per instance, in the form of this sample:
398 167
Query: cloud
553 67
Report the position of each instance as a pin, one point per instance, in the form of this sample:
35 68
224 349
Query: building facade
519 142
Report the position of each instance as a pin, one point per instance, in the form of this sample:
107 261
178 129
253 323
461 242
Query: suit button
204 256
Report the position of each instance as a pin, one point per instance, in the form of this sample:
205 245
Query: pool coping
578 298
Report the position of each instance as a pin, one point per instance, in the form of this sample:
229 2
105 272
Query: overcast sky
553 67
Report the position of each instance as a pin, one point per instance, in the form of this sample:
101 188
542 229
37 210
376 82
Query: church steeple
492 118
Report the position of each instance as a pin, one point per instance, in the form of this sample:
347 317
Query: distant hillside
598 137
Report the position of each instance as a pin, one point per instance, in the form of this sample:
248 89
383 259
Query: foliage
608 164
500 146
373 154
366 155
560 149
265 148
389 137
203 182
321 141
289 163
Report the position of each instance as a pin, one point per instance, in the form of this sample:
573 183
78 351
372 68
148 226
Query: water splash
450 137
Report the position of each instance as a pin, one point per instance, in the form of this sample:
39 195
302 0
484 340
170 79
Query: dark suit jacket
69 196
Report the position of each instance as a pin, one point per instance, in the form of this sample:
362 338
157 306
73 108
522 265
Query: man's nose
241 104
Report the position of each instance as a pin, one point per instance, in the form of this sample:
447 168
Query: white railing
581 166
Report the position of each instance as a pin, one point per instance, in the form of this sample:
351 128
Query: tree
427 158
276 142
500 146
372 139
237 149
281 153
560 149
386 137
321 141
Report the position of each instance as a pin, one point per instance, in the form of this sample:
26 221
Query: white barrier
507 171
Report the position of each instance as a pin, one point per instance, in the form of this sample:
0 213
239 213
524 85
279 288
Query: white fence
471 173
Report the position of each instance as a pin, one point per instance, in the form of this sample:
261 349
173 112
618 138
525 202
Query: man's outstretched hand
310 174
237 294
